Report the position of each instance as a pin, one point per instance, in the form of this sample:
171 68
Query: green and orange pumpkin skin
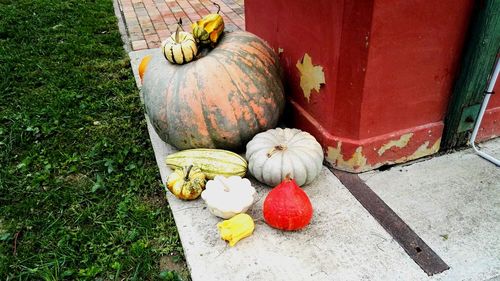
220 100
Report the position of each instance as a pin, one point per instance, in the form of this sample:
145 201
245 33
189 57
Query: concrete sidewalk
452 202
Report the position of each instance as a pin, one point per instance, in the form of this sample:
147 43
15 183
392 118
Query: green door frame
482 47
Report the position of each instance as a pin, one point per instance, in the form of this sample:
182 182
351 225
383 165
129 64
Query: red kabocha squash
287 207
220 100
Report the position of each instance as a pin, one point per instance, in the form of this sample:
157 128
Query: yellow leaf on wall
311 76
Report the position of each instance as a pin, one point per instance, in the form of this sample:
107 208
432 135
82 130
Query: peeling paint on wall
333 154
311 76
356 162
402 142
424 150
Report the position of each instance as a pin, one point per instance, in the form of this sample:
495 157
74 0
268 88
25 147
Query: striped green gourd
212 162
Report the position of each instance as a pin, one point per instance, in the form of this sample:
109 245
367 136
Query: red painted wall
389 68
312 27
414 54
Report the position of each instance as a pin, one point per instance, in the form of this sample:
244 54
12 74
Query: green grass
80 195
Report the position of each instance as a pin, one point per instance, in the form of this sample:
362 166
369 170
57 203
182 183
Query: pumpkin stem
187 173
218 7
179 25
279 147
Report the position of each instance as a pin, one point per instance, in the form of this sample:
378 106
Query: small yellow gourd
208 30
186 183
236 228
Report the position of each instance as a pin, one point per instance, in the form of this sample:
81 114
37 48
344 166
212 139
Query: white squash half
276 153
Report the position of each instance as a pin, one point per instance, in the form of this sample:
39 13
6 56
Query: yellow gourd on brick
236 228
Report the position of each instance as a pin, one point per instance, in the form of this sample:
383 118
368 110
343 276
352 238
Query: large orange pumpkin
220 100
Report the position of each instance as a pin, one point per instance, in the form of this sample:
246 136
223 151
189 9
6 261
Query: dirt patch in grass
76 179
171 263
156 199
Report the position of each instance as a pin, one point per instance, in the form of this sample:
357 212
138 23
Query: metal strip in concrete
413 245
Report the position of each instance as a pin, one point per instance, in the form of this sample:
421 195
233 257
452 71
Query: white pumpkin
227 197
273 154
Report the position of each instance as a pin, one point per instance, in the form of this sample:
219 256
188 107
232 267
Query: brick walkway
148 22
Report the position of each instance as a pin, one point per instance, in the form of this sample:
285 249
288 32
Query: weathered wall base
363 155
